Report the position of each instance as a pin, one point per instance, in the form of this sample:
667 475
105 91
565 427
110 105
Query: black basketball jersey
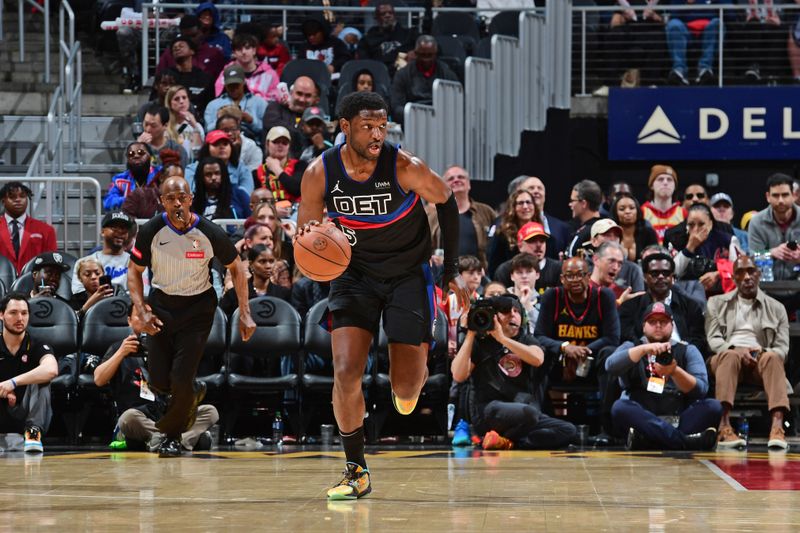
579 325
385 225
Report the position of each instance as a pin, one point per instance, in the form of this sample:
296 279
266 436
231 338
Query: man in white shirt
116 228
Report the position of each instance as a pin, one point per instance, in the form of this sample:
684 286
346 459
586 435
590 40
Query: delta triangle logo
658 130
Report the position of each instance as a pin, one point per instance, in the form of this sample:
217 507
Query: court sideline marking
725 477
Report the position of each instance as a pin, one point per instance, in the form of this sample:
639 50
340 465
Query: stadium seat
69 259
484 48
451 51
434 392
105 323
380 75
212 370
318 385
277 336
505 23
55 323
455 23
7 272
24 284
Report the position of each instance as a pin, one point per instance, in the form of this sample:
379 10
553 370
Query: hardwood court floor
419 490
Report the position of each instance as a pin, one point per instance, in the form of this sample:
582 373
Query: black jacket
383 46
410 85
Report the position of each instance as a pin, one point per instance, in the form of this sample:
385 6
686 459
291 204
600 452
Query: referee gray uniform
182 297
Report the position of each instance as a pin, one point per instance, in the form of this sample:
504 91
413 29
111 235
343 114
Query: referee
178 246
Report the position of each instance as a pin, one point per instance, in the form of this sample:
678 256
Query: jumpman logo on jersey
336 188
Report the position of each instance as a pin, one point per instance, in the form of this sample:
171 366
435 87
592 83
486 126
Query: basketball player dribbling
374 192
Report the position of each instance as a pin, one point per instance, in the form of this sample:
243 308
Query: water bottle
277 429
766 270
744 430
451 413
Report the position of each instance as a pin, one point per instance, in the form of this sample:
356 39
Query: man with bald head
557 229
303 94
178 246
576 321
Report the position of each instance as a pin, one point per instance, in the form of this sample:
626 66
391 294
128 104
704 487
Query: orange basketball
322 253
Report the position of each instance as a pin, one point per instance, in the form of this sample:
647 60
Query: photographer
663 378
124 367
501 358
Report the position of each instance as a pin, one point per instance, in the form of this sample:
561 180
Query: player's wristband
13 382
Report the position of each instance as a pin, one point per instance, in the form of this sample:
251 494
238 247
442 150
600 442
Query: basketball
322 253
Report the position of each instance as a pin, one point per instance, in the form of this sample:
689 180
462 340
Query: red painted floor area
775 472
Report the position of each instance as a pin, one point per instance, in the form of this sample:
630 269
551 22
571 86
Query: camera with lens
792 245
142 350
664 358
481 315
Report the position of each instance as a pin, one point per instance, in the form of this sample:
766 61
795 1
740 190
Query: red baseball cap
215 136
531 229
657 309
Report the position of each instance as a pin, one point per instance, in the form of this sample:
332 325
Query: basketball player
374 192
178 246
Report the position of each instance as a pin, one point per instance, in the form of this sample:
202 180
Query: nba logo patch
195 244
24 358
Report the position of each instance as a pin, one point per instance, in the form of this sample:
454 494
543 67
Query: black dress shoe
602 440
169 448
636 441
705 440
199 393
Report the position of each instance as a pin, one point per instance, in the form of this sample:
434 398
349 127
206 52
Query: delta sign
673 124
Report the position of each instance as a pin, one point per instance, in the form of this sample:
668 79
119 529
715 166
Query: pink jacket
263 82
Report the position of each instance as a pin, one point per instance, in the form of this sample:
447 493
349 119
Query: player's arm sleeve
141 253
448 222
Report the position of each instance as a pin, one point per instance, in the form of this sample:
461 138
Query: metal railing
45 10
590 29
55 194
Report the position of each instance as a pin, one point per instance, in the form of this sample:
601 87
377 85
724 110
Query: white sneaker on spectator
676 77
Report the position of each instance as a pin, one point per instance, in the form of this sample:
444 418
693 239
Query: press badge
656 384
145 392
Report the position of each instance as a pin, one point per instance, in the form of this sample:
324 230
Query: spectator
524 275
363 81
722 208
306 292
557 229
661 210
183 126
471 271
161 84
88 272
629 276
694 193
260 78
219 145
214 196
260 196
139 407
236 93
749 333
388 38
520 210
257 233
273 51
282 275
608 261
46 272
661 377
145 202
280 173
207 58
302 94
282 231
116 228
229 120
315 133
22 237
584 202
705 247
476 218
156 119
636 233
138 173
704 24
747 37
576 322
350 37
323 46
29 367
776 226
532 239
261 261
687 313
208 15
199 83
414 82
504 366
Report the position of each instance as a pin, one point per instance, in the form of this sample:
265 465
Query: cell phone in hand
105 280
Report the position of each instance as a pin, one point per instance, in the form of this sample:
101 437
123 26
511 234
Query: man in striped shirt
178 246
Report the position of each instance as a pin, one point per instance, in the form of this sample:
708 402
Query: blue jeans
678 37
698 416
